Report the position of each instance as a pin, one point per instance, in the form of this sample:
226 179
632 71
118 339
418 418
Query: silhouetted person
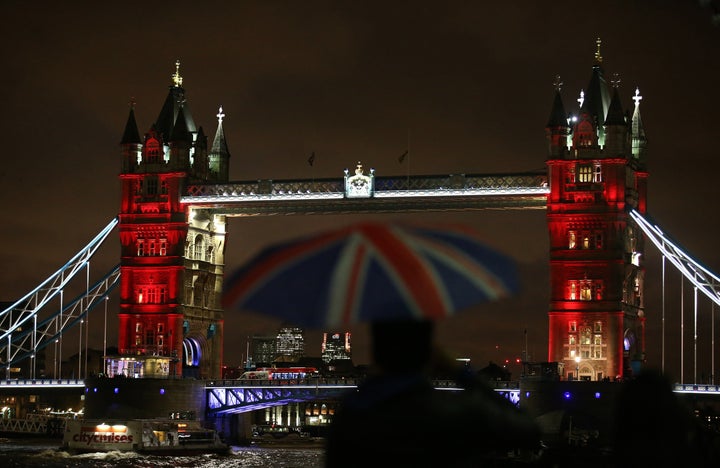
654 428
397 418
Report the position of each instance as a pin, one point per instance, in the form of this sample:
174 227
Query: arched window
572 240
152 150
586 291
199 253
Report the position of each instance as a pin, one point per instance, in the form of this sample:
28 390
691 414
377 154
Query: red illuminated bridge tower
597 172
170 319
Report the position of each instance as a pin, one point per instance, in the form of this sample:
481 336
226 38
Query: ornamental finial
220 115
637 98
616 80
132 103
557 83
176 78
598 57
581 99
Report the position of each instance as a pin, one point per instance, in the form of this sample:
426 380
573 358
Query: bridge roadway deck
237 396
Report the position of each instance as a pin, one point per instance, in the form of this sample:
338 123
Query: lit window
151 247
163 247
585 173
586 241
597 173
571 340
138 327
585 336
572 240
586 291
160 327
199 253
598 327
572 326
140 247
597 340
573 291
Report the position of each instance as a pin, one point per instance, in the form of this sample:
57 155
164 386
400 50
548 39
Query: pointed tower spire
170 110
219 154
130 142
557 128
638 131
131 133
615 114
180 129
558 117
597 98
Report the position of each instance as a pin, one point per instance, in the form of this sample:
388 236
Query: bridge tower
172 258
597 173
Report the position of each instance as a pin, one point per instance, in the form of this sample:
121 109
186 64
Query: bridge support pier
234 428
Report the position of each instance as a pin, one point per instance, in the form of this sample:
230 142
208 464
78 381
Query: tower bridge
176 198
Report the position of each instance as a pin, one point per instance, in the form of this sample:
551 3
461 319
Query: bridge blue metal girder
221 400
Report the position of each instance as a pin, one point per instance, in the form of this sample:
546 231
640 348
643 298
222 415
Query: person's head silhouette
402 345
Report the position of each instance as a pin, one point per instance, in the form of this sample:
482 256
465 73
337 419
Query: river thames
17 453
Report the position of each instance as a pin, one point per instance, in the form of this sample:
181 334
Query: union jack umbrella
369 272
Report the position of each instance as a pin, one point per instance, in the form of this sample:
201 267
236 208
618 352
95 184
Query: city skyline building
336 346
290 343
263 350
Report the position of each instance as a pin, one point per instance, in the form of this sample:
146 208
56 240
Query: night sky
465 86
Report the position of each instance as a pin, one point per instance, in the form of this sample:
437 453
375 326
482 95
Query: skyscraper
336 346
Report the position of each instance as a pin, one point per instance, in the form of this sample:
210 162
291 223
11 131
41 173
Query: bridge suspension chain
21 331
705 280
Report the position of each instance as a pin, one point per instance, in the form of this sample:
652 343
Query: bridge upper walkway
366 193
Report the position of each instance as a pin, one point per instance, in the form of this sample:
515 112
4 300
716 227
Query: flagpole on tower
311 163
408 158
406 155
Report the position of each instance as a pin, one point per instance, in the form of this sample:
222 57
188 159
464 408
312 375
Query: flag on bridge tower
311 159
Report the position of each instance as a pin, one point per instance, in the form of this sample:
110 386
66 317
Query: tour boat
149 436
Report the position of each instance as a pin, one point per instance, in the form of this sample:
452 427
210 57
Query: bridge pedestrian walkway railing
41 383
34 425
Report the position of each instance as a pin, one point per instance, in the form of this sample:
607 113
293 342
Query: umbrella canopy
371 271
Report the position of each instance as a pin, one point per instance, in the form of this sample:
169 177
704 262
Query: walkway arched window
199 253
